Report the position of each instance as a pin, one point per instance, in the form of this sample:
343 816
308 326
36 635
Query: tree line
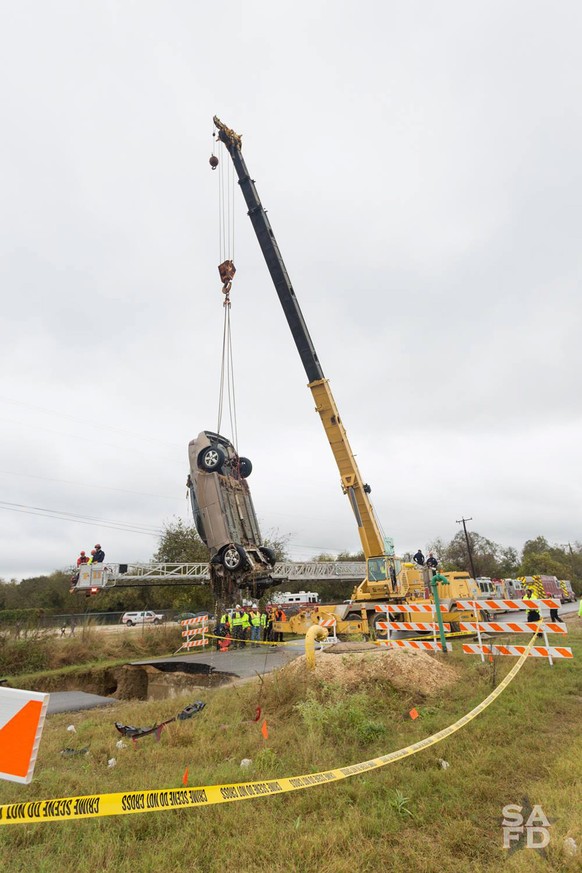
180 543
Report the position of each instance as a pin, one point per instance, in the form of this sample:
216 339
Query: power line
85 485
75 518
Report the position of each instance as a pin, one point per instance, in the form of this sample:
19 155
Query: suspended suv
223 511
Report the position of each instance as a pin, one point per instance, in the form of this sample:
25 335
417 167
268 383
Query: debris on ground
67 753
350 667
246 763
135 733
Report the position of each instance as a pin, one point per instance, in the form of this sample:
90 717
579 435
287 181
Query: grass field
526 749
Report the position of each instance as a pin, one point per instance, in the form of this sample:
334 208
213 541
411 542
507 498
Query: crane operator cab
382 570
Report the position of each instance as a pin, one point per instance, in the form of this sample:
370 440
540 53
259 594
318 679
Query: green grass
409 816
24 660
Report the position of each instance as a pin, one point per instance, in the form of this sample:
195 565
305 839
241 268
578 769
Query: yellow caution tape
234 641
127 803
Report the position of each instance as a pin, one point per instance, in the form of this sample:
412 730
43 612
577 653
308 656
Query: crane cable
227 378
226 270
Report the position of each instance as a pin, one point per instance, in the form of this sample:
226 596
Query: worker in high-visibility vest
279 617
264 626
246 625
236 622
255 620
222 630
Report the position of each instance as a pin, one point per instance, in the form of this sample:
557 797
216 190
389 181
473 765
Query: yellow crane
386 577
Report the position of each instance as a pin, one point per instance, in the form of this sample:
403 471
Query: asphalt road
241 663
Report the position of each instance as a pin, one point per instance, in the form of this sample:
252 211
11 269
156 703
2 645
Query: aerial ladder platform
97 577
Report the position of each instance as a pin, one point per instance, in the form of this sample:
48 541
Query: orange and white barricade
191 628
535 651
526 603
398 609
516 627
331 624
520 627
412 626
415 645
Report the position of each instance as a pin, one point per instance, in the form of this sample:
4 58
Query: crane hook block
213 162
226 270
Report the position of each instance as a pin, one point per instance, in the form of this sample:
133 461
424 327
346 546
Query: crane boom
353 485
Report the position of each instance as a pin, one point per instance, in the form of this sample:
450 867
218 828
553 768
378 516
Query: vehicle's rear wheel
233 557
269 554
211 459
129 623
245 467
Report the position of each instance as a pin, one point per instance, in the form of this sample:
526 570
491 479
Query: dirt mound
405 670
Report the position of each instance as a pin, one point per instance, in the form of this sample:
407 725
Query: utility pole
462 521
572 571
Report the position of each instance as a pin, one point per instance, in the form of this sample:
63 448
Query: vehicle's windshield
377 569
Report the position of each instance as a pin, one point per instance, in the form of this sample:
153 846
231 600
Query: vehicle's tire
380 634
484 615
269 554
245 467
129 623
211 459
233 557
156 621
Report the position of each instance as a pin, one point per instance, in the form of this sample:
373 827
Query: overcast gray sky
420 163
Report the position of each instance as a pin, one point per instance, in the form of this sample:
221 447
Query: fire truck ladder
102 576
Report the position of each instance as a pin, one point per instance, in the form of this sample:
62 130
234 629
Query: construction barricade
191 628
519 627
418 626
331 625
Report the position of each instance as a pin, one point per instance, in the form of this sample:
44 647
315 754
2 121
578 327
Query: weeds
399 803
412 815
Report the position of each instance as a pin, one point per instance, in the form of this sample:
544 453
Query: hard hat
237 606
